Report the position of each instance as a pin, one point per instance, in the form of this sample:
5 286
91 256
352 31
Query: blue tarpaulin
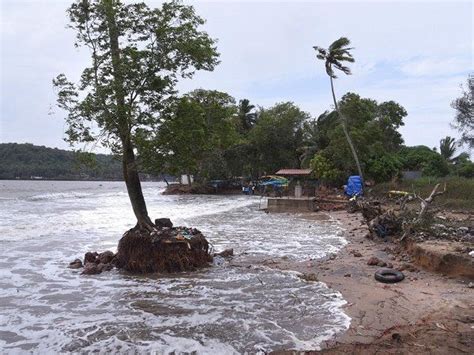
354 186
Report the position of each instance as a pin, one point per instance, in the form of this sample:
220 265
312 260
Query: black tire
389 276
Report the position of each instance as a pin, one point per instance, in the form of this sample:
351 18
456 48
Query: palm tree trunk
346 132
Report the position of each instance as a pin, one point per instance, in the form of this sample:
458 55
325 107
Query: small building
411 174
186 179
296 175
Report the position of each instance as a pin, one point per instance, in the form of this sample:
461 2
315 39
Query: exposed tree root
162 250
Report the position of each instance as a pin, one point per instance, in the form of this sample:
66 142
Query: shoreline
425 313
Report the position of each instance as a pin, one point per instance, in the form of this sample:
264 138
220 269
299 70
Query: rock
373 261
76 264
347 275
382 263
470 285
389 265
356 253
106 257
90 257
91 269
104 267
396 337
309 277
163 223
226 253
408 267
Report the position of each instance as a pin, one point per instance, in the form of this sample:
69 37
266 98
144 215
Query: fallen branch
425 203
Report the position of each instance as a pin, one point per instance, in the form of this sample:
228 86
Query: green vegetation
374 128
26 160
126 100
204 135
422 158
464 119
137 55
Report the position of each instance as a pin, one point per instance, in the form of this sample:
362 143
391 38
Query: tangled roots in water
163 250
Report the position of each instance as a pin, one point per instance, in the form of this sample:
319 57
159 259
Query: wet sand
427 313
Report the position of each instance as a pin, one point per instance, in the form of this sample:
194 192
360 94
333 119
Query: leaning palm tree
334 56
447 147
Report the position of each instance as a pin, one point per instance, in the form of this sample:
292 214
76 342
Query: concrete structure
291 204
187 179
295 176
411 174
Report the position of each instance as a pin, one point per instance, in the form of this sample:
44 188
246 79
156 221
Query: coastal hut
297 176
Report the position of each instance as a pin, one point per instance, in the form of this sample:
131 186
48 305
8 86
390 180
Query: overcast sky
415 53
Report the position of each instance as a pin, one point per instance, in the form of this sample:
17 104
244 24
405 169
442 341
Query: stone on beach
373 261
225 253
91 269
76 264
106 257
90 257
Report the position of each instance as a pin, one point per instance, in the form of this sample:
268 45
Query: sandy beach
427 313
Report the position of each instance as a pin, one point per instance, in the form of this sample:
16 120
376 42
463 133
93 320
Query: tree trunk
134 187
130 171
346 132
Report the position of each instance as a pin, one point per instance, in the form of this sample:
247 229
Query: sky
415 53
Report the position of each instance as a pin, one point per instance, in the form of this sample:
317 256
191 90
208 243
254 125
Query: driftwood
385 223
425 203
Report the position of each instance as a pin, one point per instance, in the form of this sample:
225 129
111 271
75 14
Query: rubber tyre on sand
389 276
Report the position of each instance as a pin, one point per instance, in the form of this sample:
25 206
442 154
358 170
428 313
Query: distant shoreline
97 180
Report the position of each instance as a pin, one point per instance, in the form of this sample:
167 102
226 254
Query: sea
227 308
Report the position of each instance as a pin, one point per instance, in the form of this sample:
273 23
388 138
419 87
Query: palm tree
334 56
447 147
247 118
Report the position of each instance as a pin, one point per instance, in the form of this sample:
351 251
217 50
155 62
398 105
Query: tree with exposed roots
137 55
337 53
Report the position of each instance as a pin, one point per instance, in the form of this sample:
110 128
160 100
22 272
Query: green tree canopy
464 119
373 127
196 132
137 55
277 135
425 159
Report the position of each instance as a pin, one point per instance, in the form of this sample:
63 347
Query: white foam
227 310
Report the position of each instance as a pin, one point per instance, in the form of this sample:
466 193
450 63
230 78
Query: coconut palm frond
329 70
339 43
447 147
337 53
343 68
345 58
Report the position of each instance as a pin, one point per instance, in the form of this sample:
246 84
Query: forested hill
27 161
